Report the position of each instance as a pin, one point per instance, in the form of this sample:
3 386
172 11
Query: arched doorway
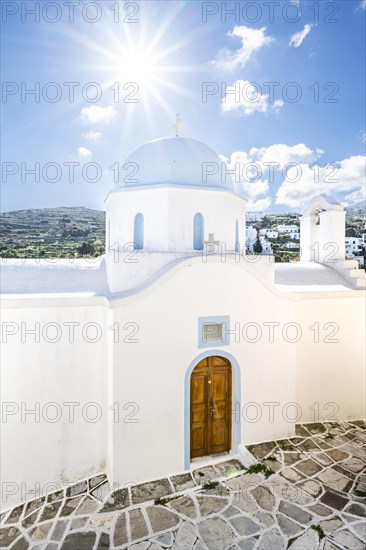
210 407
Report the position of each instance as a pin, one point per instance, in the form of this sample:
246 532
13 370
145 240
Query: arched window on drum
138 232
198 229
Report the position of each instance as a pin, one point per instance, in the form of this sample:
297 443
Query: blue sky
163 55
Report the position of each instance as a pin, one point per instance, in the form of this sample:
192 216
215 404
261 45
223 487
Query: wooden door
211 407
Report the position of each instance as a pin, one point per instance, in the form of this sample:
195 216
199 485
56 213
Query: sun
138 66
143 62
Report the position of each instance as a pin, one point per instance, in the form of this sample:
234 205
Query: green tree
350 232
98 248
9 253
266 222
258 249
85 249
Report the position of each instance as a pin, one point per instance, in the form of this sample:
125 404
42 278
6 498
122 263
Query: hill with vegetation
64 232
356 211
77 232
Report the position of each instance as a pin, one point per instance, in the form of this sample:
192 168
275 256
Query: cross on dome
178 121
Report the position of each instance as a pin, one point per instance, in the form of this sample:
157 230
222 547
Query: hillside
65 232
76 232
356 211
357 206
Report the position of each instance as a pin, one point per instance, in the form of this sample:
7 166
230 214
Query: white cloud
347 175
258 169
83 152
254 170
259 205
362 5
95 114
247 176
297 39
278 104
284 154
252 40
244 95
355 197
352 174
93 136
255 188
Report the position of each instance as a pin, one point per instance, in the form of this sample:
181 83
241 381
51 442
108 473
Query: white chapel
175 346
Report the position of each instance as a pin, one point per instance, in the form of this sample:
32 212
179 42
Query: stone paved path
305 493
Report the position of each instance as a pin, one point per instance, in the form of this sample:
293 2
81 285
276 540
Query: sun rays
140 68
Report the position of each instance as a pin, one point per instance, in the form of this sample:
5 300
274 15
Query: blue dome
175 161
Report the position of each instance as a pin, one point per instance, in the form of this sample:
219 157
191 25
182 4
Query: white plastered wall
144 380
331 357
61 443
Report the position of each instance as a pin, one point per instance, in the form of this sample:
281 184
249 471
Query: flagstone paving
308 492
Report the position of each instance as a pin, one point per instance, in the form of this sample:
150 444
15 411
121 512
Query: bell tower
322 239
322 231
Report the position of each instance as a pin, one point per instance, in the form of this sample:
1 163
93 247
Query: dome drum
167 204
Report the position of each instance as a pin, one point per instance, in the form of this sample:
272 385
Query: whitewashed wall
144 380
51 449
331 357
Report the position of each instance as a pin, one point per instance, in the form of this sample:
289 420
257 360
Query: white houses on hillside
269 233
354 246
287 229
254 216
